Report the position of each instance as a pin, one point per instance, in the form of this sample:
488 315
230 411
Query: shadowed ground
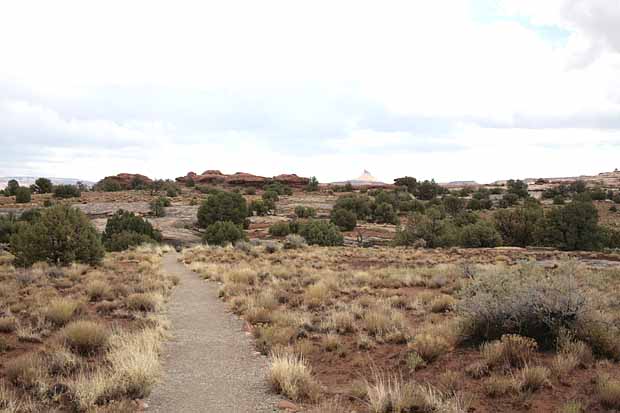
209 364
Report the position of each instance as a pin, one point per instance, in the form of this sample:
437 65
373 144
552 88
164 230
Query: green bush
359 204
509 199
125 221
321 232
573 227
453 205
280 229
270 196
22 195
223 232
8 226
345 220
279 188
521 226
313 185
60 236
158 206
432 227
222 206
259 207
11 187
305 212
250 191
481 234
30 215
108 185
384 213
66 191
43 186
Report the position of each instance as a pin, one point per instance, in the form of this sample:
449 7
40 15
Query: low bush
481 234
222 233
291 376
345 220
259 207
294 241
222 206
280 229
146 302
23 195
322 233
66 191
60 311
385 213
60 236
305 212
125 229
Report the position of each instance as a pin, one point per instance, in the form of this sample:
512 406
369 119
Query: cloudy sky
450 89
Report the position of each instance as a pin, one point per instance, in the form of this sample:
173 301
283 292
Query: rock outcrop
129 181
243 179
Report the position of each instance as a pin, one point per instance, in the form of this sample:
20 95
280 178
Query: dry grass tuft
8 324
534 378
61 311
147 302
291 376
97 290
608 390
86 337
430 346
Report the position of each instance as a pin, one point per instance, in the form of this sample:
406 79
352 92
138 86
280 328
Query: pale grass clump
430 346
533 378
61 311
244 275
572 406
317 294
146 302
27 372
511 351
8 400
60 361
383 320
332 342
499 386
442 303
342 322
97 290
85 337
291 376
608 391
89 389
134 359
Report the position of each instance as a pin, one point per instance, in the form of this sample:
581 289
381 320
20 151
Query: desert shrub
108 185
431 227
305 212
345 220
511 351
22 195
60 236
125 229
359 204
250 191
385 213
223 232
259 207
30 215
172 192
158 206
430 346
222 206
11 187
280 229
319 232
313 185
479 235
143 302
7 324
66 191
573 226
85 337
26 371
608 390
294 241
8 226
533 378
97 290
453 205
526 302
279 188
508 200
521 226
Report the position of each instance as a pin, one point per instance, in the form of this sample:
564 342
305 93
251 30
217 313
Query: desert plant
222 206
533 378
22 195
223 232
322 233
85 337
61 235
60 311
481 234
280 229
8 324
430 346
97 290
608 390
125 229
66 191
384 213
146 302
290 375
158 206
305 212
313 185
345 219
294 241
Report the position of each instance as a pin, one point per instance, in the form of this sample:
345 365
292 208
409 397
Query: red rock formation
126 180
245 179
292 180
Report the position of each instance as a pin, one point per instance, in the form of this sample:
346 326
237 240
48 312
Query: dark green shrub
30 215
345 220
359 204
190 182
616 198
482 234
384 213
474 204
59 236
22 195
279 188
432 227
508 199
172 192
412 205
305 212
517 187
313 185
270 196
321 232
66 191
8 226
573 227
250 191
259 207
43 186
124 240
222 233
280 229
453 205
521 226
125 221
11 187
222 206
558 200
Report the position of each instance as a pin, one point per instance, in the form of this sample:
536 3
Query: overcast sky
445 89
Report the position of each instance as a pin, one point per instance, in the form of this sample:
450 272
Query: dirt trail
209 364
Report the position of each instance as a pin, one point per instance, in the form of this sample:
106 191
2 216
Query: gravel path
209 364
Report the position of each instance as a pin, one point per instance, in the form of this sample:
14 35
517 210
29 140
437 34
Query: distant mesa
127 181
216 177
365 179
